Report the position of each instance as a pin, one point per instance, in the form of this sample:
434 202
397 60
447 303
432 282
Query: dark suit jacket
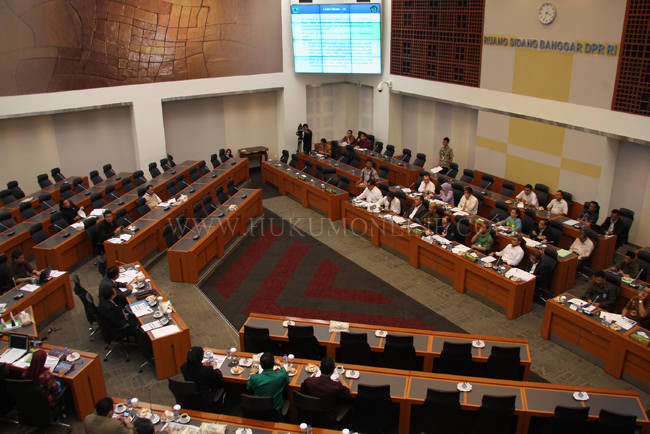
418 215
106 231
331 393
105 425
619 229
120 298
451 232
547 232
541 273
112 313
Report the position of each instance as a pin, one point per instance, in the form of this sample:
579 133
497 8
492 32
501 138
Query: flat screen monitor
337 38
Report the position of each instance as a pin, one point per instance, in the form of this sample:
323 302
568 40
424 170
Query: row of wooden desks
428 344
497 291
617 353
208 239
85 381
400 173
311 191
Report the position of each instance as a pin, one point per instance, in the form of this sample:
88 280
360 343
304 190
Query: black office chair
208 205
344 183
455 359
97 200
169 235
182 226
441 412
383 171
110 335
390 151
138 179
258 340
356 161
462 230
180 182
7 401
373 407
16 191
66 191
214 160
231 187
141 206
141 191
38 234
58 222
453 170
170 159
541 191
495 415
406 155
199 212
420 160
643 259
186 396
384 188
499 213
310 411
303 343
399 352
329 175
318 172
110 193
378 147
128 185
504 364
507 189
285 156
526 223
294 161
355 349
309 167
122 217
468 176
567 420
262 408
203 169
108 171
346 156
145 346
487 181
172 188
223 156
46 201
33 407
568 197
549 258
6 220
221 195
6 197
153 170
557 226
43 180
57 175
79 185
610 422
458 191
164 164
88 303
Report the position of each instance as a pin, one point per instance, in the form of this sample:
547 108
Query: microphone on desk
339 160
65 232
486 187
173 171
192 190
303 168
87 192
243 196
50 207
401 160
117 178
214 175
122 263
18 294
373 151
11 232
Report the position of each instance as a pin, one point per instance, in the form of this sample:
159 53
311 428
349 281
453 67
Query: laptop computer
45 275
18 347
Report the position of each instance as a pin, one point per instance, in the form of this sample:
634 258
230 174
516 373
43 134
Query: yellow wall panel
581 167
543 74
525 171
537 136
495 145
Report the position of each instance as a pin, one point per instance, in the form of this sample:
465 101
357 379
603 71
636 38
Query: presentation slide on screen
337 38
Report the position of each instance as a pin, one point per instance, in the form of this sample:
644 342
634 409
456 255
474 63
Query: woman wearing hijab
446 195
42 377
204 374
70 211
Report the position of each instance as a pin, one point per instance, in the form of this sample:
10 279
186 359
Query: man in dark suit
417 210
448 229
613 225
112 313
109 281
333 391
539 269
542 232
103 422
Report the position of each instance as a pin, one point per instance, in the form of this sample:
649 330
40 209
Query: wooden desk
614 351
46 300
497 291
255 152
309 192
20 240
85 381
604 249
428 344
25 329
169 352
189 256
403 174
355 187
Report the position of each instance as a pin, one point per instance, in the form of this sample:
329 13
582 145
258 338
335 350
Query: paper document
406 190
441 240
436 169
399 220
625 323
29 287
141 308
127 276
51 362
97 212
562 253
610 316
11 355
488 259
164 331
531 243
23 362
571 222
152 325
114 240
461 213
220 360
578 302
56 273
125 237
523 275
460 248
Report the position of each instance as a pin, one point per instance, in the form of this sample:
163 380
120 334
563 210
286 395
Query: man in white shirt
468 202
582 247
426 186
558 205
391 203
152 198
416 211
513 253
528 196
371 193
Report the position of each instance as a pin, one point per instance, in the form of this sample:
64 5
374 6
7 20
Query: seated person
446 194
228 153
111 312
108 228
331 389
431 218
638 308
349 138
426 186
42 377
627 267
539 269
416 211
369 173
19 270
527 196
103 422
469 203
269 382
151 198
390 203
513 253
324 147
204 374
482 240
69 211
558 205
613 225
589 216
371 193
513 221
601 293
364 142
110 280
541 231
447 230
582 247
142 425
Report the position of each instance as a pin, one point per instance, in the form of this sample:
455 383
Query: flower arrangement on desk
330 190
470 256
419 232
303 177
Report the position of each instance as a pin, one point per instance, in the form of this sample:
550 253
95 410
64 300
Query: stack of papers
141 308
152 325
220 359
56 273
51 362
571 222
531 243
24 362
164 331
11 355
488 259
562 253
461 213
578 302
441 240
115 240
460 249
406 190
125 237
97 212
523 275
436 169
127 276
29 287
399 220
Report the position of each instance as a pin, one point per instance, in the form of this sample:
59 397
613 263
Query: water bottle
309 429
67 350
148 284
284 360
33 280
228 352
177 411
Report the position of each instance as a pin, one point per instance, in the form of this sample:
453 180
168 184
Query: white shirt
560 207
528 198
532 268
511 255
394 205
611 225
583 250
415 211
429 188
469 205
373 196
